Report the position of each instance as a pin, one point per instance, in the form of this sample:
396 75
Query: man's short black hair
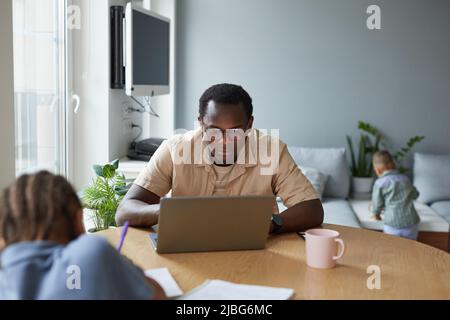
226 94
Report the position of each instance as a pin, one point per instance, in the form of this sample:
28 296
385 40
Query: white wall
314 69
91 83
165 105
7 150
98 134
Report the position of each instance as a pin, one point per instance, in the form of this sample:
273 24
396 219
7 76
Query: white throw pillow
317 178
330 161
432 177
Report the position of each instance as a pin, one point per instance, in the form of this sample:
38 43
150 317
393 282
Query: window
40 85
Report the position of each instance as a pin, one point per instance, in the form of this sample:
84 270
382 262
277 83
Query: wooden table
409 270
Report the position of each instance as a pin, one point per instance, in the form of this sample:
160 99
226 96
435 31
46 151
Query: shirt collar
389 173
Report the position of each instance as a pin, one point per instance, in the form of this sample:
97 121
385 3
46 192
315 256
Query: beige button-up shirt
180 165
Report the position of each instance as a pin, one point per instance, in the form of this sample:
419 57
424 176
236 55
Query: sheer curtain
40 66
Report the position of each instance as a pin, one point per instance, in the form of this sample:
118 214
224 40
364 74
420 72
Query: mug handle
342 245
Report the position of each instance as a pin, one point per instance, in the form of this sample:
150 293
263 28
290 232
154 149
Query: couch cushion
317 178
432 177
332 162
336 211
443 209
430 221
339 211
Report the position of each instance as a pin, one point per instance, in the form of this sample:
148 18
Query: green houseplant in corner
361 164
371 139
103 196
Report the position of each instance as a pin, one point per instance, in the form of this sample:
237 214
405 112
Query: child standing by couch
45 254
394 195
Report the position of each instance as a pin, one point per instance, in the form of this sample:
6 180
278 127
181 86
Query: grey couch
333 163
431 177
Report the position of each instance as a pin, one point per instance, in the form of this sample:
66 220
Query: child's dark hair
383 158
37 206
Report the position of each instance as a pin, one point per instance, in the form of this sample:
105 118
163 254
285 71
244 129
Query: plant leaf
368 128
115 164
352 154
108 171
98 170
402 153
362 156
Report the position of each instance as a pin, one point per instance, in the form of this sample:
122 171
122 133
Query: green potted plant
361 164
103 196
371 139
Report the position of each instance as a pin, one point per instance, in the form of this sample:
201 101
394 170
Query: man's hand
375 217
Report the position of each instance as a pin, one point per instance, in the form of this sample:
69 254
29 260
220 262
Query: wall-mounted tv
147 52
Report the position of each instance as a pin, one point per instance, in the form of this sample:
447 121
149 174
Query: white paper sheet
222 290
166 281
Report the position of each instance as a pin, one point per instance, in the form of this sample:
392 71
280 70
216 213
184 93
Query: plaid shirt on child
395 194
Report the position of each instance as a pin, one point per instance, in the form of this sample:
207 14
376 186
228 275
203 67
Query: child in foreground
394 195
46 255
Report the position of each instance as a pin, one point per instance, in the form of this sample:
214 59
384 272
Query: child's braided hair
37 206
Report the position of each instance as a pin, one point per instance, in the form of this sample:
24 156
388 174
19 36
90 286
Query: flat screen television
147 52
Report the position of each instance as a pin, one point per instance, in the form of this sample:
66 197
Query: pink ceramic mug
322 248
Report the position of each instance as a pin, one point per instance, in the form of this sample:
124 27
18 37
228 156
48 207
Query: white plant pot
93 230
88 220
362 185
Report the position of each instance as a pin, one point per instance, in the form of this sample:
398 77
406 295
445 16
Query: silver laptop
213 224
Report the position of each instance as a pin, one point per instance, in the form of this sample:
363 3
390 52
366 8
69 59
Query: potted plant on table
103 196
371 139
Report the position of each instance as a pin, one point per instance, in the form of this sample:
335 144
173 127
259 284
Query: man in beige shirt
224 157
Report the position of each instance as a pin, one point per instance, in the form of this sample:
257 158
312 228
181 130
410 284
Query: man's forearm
137 213
303 216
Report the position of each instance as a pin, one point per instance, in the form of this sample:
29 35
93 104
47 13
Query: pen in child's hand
122 236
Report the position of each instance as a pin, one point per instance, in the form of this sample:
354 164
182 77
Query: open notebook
217 289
